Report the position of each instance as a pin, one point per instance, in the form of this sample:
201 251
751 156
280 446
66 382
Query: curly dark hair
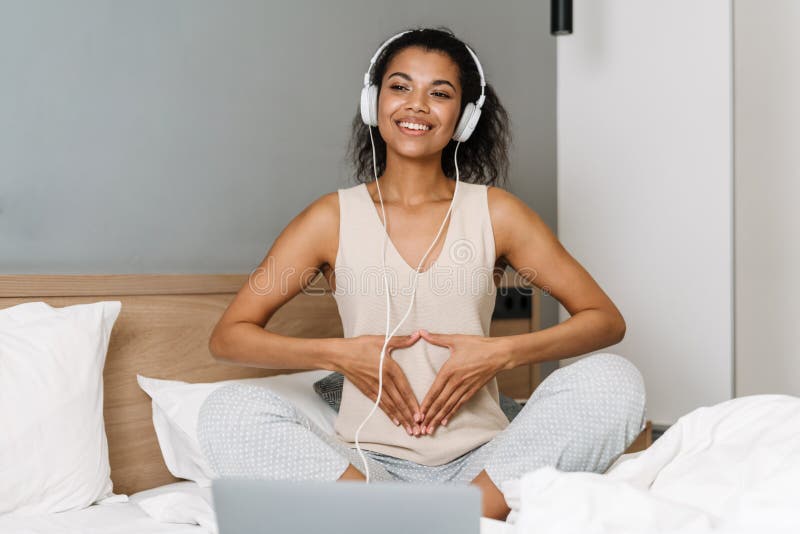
483 158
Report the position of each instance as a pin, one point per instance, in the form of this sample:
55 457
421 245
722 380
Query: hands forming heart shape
473 361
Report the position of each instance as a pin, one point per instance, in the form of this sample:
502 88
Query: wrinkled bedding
729 468
732 468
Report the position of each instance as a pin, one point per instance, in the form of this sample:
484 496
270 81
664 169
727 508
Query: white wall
767 81
645 185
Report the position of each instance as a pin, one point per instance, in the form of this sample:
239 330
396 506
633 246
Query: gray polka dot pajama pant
582 417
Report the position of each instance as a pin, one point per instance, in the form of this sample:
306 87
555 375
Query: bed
162 331
730 468
726 468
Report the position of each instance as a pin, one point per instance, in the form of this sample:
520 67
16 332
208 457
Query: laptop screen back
248 506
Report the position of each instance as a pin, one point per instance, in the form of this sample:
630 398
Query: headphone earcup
469 119
369 105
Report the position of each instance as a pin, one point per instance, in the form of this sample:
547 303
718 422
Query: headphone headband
375 56
378 53
469 116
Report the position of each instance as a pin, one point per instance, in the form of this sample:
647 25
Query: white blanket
181 507
733 468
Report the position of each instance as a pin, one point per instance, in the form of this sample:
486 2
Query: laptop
249 506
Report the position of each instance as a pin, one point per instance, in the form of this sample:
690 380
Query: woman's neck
410 182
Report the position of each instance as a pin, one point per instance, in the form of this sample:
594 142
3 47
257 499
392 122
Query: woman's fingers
401 342
450 409
438 412
439 392
390 406
408 394
405 413
400 381
386 404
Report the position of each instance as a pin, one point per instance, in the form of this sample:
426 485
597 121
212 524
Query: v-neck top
455 295
390 244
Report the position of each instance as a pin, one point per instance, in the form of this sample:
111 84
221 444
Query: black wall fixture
561 17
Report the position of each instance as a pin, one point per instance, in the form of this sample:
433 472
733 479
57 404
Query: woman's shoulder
507 212
503 205
324 209
318 225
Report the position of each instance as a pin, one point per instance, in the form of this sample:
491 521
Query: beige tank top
456 295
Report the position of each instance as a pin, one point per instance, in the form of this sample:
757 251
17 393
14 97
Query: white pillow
176 407
53 446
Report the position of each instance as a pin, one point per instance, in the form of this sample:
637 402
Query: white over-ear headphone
369 98
369 114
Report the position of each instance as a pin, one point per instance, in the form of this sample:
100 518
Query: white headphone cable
386 288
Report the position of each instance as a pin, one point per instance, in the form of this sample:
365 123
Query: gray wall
182 136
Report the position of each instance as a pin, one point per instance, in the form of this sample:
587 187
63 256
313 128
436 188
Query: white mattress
130 518
115 518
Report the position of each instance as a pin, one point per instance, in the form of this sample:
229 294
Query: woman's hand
474 360
361 368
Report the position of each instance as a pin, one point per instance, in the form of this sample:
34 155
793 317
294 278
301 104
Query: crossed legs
580 418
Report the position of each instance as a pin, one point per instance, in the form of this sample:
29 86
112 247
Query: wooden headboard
162 332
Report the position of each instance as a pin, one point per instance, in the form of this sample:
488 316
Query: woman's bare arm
532 249
292 262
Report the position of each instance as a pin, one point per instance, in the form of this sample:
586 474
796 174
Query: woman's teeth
413 126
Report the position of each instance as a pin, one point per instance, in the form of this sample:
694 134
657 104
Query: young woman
440 418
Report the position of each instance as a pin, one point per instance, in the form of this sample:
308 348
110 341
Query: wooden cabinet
520 382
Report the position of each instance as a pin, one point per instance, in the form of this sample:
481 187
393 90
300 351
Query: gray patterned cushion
330 389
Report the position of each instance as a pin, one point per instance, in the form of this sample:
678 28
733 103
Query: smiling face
419 102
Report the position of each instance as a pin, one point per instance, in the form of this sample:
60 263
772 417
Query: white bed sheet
113 518
130 518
